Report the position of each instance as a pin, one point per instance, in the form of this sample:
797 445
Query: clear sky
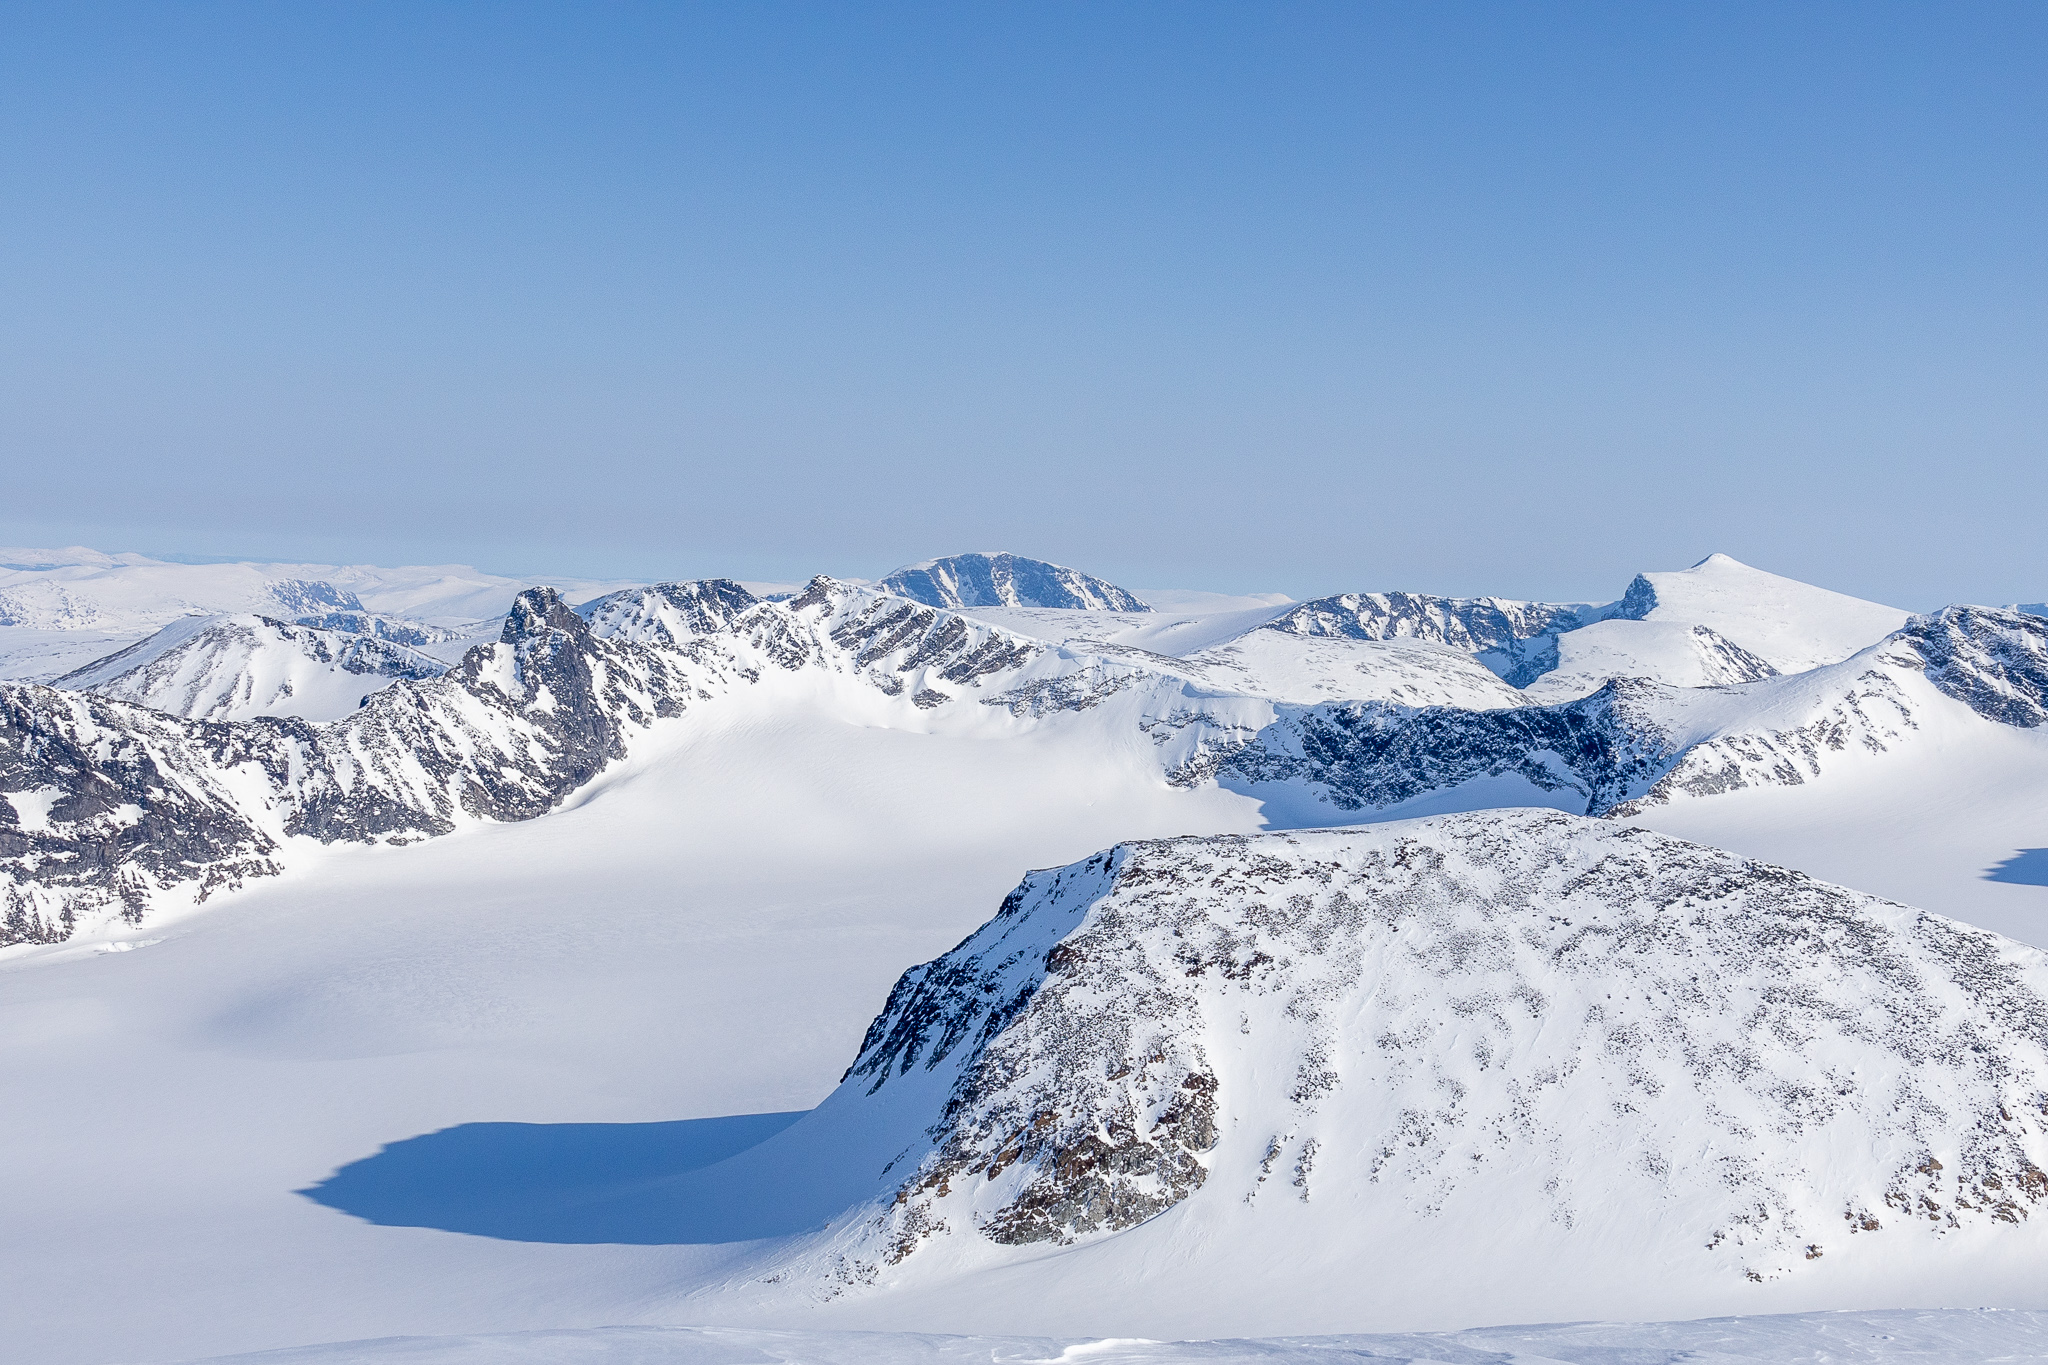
1513 298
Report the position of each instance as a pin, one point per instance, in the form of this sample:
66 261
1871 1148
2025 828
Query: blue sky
1466 297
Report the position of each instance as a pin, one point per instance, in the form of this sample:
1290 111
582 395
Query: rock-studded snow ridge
1673 1056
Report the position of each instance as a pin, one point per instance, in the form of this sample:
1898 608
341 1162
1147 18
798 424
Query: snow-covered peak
1791 625
998 579
1668 652
667 613
239 666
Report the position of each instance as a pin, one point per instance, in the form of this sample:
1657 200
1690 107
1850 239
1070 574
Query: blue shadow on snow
2029 867
567 1182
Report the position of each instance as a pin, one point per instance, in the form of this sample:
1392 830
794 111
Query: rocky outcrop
1601 749
1661 1045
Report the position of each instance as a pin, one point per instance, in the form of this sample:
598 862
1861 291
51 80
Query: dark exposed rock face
1005 580
1995 662
1367 755
106 802
1633 743
1070 1080
145 801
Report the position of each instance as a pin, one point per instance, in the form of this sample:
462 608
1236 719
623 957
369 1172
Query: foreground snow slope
1881 1338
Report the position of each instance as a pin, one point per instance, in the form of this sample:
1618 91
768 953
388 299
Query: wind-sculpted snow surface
1659 1052
238 667
1006 580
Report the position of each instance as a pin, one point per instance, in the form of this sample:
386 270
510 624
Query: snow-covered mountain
170 808
997 579
243 666
1477 1063
519 725
1474 624
399 630
1635 744
667 613
1790 625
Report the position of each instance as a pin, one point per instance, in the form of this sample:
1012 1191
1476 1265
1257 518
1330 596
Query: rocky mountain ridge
100 793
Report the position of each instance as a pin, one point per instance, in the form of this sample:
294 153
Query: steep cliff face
1654 1048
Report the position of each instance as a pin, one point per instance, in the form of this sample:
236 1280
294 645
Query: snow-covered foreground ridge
1572 1055
114 809
1885 1338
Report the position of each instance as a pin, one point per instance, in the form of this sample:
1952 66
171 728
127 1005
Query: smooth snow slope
1881 1338
1791 625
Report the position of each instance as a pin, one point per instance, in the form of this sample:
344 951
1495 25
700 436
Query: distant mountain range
218 771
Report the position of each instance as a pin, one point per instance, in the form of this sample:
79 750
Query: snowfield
1926 1338
505 1002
